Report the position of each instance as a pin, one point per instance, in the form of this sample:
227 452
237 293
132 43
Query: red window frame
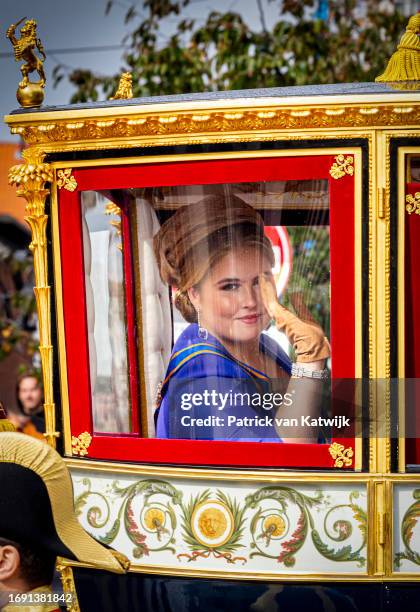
131 447
412 328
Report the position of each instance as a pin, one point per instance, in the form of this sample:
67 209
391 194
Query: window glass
106 313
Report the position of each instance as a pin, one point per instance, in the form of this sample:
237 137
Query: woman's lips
250 319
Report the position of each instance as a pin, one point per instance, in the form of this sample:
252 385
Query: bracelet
299 371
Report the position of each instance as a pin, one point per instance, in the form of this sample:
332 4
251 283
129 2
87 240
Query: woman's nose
250 296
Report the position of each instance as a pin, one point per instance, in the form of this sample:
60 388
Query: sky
67 25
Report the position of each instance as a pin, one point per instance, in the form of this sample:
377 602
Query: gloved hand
307 338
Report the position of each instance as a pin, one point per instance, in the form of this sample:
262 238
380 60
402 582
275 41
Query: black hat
36 504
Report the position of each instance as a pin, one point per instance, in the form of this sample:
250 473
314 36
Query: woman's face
229 297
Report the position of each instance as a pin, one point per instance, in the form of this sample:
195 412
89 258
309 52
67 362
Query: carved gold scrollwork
66 179
81 443
30 178
343 456
342 166
69 587
413 203
188 125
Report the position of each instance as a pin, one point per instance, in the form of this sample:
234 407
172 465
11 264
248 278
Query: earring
202 331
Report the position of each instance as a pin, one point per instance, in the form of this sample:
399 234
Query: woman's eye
230 287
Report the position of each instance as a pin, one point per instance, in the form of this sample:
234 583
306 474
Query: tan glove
307 338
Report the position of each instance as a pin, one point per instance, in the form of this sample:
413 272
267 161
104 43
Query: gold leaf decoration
343 456
149 128
66 180
81 443
413 203
342 166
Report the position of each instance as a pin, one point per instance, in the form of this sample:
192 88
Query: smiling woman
216 254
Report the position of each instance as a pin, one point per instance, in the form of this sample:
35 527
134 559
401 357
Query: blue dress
209 395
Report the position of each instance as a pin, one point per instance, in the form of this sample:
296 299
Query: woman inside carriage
226 379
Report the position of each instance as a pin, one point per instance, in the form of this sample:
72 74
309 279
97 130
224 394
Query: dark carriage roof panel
346 89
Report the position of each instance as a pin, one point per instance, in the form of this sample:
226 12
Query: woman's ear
194 296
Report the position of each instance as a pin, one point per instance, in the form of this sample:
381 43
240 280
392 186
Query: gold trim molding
342 166
69 587
66 179
343 456
68 126
81 443
29 179
413 203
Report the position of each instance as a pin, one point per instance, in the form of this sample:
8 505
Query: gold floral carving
81 443
343 456
342 166
66 179
69 587
413 203
30 178
215 121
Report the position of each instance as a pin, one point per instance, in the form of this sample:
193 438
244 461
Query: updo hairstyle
198 236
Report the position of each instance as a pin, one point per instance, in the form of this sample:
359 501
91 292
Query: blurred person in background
29 416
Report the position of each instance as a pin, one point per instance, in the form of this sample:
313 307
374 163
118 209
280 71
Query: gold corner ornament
413 203
66 179
30 179
404 64
343 456
343 165
125 87
28 93
81 443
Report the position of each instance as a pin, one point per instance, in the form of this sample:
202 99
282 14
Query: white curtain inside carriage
106 313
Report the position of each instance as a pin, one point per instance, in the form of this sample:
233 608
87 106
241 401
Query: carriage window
106 313
232 292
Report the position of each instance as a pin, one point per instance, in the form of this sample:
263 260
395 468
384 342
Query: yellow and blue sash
183 356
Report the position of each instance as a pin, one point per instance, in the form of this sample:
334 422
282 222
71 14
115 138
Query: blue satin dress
209 395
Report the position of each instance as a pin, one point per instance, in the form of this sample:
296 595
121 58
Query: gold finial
28 93
404 64
125 89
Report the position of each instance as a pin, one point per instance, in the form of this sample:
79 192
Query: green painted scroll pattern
274 522
408 525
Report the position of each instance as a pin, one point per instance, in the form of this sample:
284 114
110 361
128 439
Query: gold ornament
342 166
148 129
274 525
342 456
81 444
125 88
212 523
154 518
28 93
413 203
29 178
66 180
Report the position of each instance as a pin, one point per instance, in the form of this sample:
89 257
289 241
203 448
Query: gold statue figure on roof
125 87
29 93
